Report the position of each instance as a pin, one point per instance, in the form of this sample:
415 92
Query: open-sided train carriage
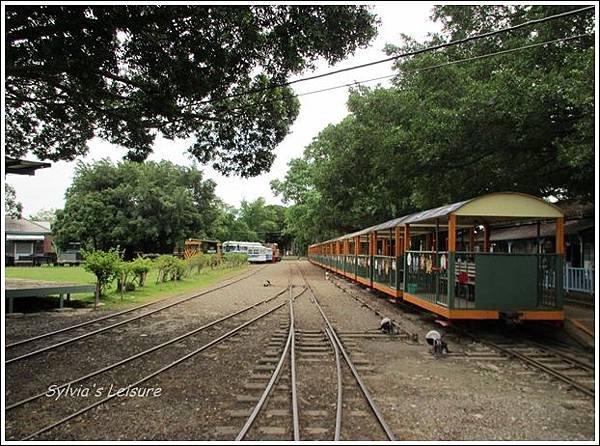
441 260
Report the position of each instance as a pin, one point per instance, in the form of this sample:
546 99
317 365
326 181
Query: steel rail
254 414
109 327
145 352
338 365
336 282
566 357
361 384
531 361
157 372
120 313
539 365
295 422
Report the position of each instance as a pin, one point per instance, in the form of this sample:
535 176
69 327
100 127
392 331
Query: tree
521 121
228 226
48 215
105 265
146 207
12 208
255 221
125 73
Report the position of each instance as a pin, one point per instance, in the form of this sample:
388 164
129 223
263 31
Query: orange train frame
442 260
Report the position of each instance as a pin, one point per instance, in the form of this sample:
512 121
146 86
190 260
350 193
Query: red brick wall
48 244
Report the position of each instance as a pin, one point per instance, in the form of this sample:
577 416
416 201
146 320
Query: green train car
441 260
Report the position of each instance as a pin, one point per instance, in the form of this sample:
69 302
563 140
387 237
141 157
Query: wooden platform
15 288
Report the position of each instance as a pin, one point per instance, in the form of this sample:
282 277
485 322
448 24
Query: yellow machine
193 246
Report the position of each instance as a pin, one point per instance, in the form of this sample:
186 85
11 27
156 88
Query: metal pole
436 259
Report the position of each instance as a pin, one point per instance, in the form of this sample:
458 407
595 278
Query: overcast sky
47 188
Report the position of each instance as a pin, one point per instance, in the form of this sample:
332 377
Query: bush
169 267
232 259
105 265
197 262
140 268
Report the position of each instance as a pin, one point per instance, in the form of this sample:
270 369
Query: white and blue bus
257 253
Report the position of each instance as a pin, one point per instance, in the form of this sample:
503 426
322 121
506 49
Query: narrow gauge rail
547 359
289 349
552 363
146 352
163 369
363 388
130 310
289 345
111 326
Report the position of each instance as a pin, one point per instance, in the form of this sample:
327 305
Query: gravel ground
420 397
25 325
424 398
65 363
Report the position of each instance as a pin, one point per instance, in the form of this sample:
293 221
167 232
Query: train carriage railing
363 266
465 272
341 262
350 265
549 268
386 271
426 276
481 280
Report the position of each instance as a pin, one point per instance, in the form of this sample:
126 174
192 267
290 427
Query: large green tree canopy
254 221
147 207
522 121
125 73
12 207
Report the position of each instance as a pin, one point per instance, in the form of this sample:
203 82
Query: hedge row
109 265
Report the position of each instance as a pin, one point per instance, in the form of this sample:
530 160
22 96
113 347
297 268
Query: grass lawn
112 298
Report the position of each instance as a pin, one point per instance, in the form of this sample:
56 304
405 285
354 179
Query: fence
579 279
575 279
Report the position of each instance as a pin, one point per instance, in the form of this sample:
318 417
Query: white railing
579 279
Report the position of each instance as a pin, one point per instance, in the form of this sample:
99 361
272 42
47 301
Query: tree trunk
97 300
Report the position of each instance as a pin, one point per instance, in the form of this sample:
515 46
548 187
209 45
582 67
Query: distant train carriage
434 260
275 251
194 246
257 253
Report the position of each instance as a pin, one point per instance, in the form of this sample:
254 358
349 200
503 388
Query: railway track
229 332
566 367
314 391
572 371
69 340
342 351
273 381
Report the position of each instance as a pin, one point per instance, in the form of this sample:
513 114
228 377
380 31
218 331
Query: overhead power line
417 69
406 54
445 64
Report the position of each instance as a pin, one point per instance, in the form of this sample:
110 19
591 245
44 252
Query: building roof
577 208
44 224
23 226
528 230
23 167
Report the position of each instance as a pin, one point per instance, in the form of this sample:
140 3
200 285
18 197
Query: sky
47 188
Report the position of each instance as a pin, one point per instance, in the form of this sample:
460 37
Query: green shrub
105 265
169 267
140 268
232 259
